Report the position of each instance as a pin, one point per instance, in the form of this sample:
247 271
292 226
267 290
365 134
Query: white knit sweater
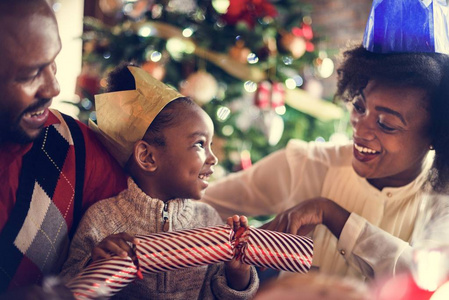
134 212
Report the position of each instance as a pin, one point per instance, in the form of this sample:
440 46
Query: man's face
27 75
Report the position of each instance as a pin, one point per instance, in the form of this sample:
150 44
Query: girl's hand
237 273
303 218
114 244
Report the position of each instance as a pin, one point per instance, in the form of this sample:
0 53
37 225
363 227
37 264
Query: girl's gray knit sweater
135 212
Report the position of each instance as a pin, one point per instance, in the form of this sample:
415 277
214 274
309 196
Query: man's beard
10 131
14 133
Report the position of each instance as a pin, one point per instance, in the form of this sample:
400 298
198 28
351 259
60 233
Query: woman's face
391 133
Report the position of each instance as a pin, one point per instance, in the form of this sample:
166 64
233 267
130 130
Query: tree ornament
155 69
201 86
273 127
182 6
249 11
88 81
239 52
137 9
245 159
296 45
269 94
110 7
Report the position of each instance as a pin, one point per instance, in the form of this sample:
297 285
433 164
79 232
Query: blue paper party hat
408 26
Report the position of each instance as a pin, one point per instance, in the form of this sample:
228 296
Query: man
51 167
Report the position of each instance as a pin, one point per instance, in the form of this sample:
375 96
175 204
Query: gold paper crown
123 117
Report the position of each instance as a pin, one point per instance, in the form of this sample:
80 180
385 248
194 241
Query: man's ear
144 155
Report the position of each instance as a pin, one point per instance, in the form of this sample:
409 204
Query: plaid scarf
35 239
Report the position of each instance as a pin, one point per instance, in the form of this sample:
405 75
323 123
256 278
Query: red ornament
306 33
88 82
248 11
269 94
245 160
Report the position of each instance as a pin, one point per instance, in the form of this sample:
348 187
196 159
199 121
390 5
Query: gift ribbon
161 252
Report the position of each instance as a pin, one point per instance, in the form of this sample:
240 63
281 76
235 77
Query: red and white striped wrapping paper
276 250
162 252
185 248
103 278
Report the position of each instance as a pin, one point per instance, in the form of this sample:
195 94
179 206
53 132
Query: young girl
164 141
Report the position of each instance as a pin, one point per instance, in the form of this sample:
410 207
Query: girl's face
391 134
186 162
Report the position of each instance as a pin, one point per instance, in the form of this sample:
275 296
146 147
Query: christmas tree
246 62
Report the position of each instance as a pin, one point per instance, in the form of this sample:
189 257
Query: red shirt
103 177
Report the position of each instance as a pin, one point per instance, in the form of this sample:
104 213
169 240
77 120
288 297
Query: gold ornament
201 86
239 52
296 45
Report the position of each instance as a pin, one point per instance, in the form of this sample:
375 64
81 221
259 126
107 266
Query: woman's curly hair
429 71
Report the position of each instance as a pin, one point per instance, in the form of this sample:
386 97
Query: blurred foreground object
314 286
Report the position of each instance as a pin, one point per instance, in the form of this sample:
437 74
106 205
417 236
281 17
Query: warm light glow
223 113
187 32
276 130
177 47
227 130
250 86
155 56
326 68
290 83
221 6
252 58
146 31
280 110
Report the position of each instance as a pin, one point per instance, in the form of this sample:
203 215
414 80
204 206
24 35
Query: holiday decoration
295 44
201 86
239 52
175 250
103 279
269 94
273 127
248 11
110 7
155 69
223 52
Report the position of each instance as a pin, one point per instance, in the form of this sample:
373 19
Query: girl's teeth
364 150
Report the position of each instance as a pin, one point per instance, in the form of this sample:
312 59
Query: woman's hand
303 218
115 244
237 273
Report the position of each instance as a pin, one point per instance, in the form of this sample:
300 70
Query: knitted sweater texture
135 212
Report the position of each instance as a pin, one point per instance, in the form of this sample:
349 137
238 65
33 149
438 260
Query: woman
362 197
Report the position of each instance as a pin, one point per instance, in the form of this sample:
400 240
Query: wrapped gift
103 278
175 250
